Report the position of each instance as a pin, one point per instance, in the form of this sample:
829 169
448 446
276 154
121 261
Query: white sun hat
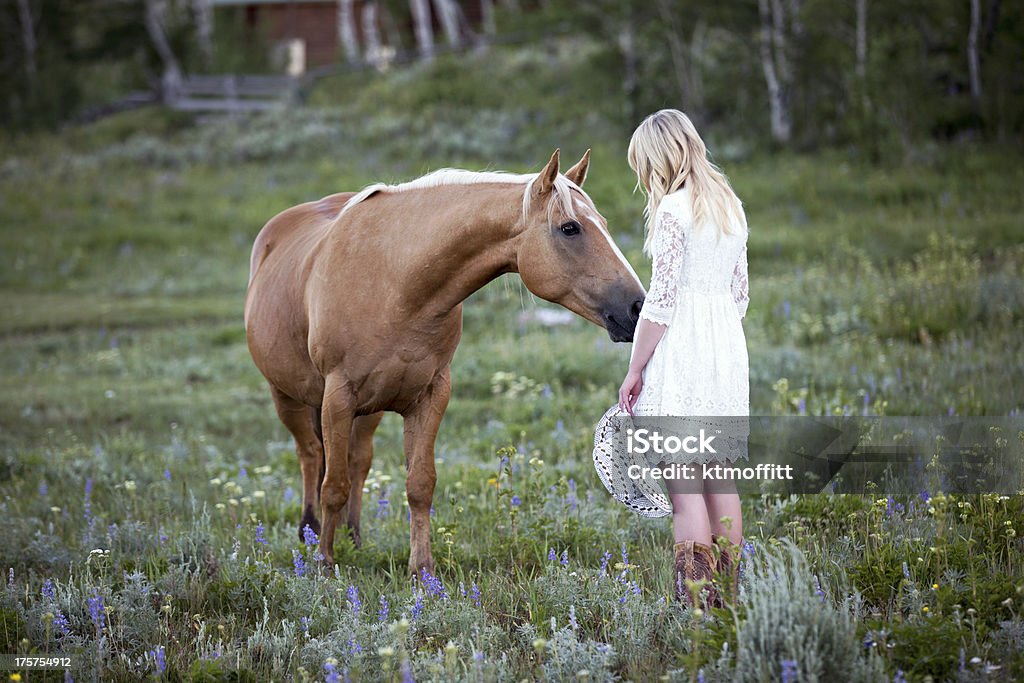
612 461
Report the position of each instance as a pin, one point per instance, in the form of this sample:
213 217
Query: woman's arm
646 338
668 248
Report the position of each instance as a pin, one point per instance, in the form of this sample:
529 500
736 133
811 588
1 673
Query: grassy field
149 496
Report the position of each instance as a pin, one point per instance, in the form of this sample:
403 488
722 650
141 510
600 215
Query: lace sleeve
740 283
667 250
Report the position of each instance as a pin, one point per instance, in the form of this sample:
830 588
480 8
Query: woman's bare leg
721 505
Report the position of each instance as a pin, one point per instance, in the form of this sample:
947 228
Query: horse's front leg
421 425
337 415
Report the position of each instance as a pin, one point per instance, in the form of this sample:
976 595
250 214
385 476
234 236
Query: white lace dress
699 289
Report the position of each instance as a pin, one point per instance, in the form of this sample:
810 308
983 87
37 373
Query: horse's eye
569 229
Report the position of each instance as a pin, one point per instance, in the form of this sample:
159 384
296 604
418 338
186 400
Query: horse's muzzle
621 321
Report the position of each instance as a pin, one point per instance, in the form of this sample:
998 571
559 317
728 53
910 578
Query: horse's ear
578 173
546 178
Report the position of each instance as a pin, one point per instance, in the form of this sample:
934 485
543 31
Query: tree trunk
371 34
449 16
203 11
683 57
973 63
775 73
627 44
862 39
487 18
424 30
156 18
347 32
28 39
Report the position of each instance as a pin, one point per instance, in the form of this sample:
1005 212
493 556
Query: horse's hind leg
298 418
360 456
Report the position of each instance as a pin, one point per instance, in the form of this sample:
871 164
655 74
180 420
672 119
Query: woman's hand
629 392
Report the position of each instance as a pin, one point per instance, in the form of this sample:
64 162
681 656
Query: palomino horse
355 307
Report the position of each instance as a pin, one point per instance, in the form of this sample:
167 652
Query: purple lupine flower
867 402
96 610
332 673
289 495
60 623
924 496
801 407
49 592
407 672
789 671
43 489
900 677
571 497
243 473
604 561
417 606
433 584
68 678
162 536
565 558
167 474
516 502
382 612
951 412
786 308
382 508
304 622
159 658
90 522
478 656
853 372
745 556
817 588
963 660
552 555
700 676
354 603
309 536
299 563
260 534
354 648
462 589
474 592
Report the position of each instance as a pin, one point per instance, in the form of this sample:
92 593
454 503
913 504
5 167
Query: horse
354 307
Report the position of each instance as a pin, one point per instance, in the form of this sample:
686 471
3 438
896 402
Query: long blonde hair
665 152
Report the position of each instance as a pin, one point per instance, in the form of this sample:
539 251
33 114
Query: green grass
123 262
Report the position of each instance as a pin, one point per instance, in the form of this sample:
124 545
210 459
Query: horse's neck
465 241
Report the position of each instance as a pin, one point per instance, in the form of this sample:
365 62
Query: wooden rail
232 93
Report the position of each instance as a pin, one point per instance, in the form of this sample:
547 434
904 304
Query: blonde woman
689 353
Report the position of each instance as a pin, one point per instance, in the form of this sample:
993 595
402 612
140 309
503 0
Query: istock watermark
842 454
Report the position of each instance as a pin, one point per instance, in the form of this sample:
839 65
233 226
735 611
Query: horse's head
566 255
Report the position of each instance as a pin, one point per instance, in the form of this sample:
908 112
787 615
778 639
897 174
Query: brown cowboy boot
728 565
695 562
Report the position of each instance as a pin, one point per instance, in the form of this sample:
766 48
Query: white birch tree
448 14
424 29
371 34
156 25
28 39
973 62
203 12
775 64
347 31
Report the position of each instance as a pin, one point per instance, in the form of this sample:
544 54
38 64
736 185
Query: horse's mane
561 195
